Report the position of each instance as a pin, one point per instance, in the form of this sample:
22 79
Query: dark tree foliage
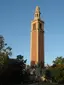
5 52
12 71
15 72
1 42
57 73
47 74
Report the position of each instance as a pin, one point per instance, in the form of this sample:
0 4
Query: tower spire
37 13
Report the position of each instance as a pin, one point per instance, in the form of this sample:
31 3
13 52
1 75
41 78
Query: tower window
37 15
34 26
40 26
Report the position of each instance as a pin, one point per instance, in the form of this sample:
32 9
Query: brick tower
37 39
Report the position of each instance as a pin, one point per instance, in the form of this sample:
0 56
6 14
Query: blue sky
15 25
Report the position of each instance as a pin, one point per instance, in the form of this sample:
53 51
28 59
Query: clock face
34 26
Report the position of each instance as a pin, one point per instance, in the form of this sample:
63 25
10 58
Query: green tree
39 68
47 74
57 70
1 42
16 71
59 60
5 52
4 49
57 73
21 58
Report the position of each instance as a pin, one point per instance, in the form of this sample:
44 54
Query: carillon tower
37 39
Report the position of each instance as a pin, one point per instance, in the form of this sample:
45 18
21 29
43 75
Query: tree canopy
4 49
5 52
59 60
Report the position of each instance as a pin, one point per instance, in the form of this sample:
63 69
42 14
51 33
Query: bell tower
37 39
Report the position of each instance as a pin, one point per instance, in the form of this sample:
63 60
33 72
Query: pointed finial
37 9
37 13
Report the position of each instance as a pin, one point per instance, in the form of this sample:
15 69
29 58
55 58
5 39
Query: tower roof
37 13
